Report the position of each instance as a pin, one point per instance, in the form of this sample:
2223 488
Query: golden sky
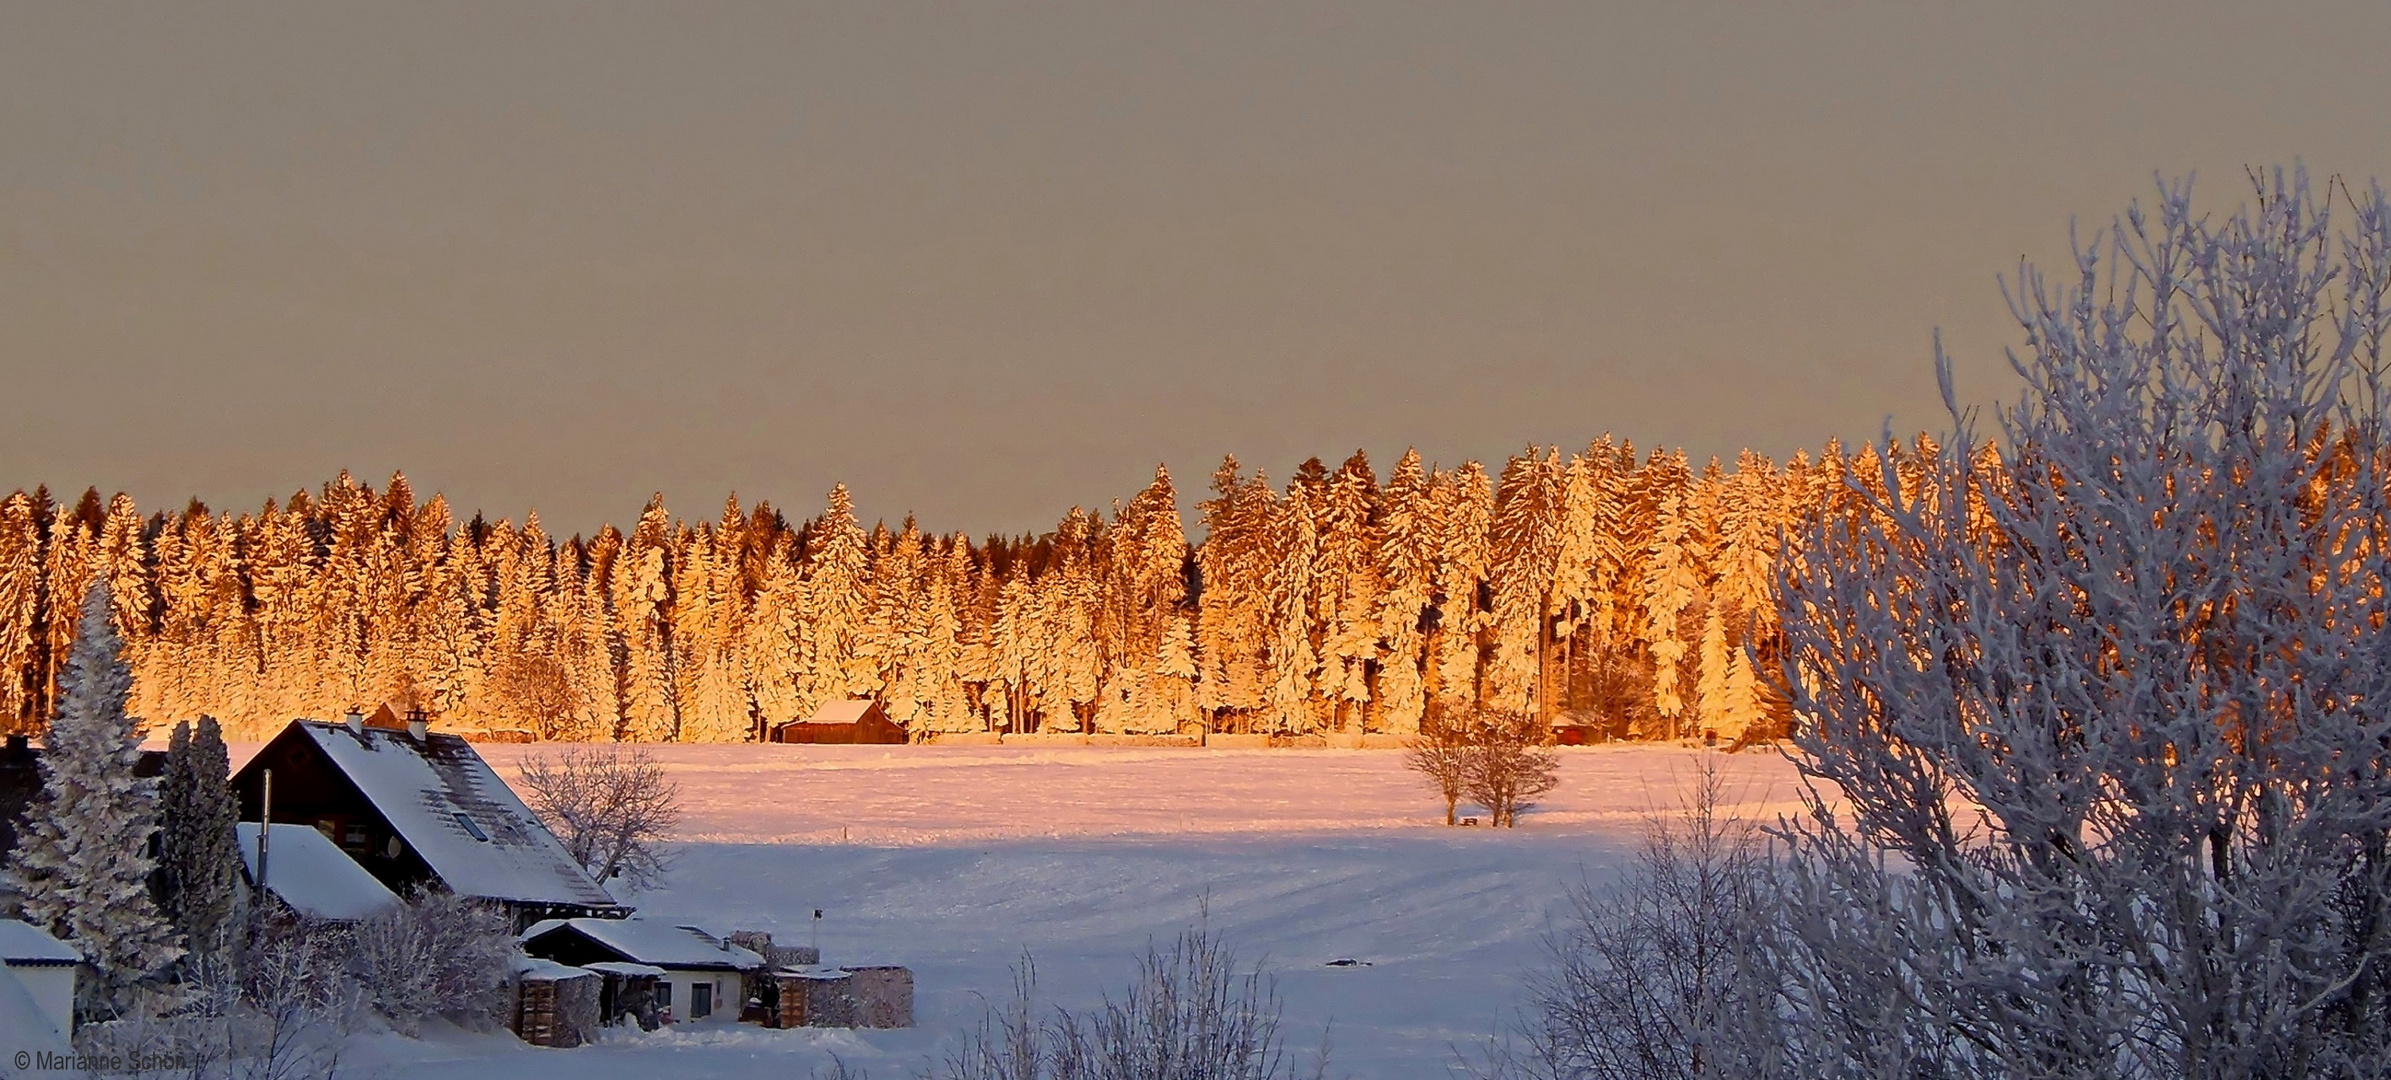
986 261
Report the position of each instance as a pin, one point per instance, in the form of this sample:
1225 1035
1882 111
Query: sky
983 262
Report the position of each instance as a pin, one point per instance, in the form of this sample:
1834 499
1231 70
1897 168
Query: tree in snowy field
1441 755
1507 763
611 807
82 864
2106 724
198 864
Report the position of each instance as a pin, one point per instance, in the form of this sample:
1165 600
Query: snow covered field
956 860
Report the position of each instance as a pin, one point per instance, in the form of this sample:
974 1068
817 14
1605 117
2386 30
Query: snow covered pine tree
2114 702
82 863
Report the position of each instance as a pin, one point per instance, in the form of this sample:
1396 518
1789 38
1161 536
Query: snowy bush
1191 1013
1664 974
2104 707
438 955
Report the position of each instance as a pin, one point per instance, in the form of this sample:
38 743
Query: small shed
556 1004
310 876
45 966
699 975
866 996
814 996
842 722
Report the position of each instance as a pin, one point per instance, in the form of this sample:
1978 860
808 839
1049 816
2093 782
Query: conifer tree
643 605
20 610
1465 517
82 863
835 582
1710 684
1407 567
1670 588
197 861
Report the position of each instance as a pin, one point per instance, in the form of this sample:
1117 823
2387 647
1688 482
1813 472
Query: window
664 993
472 829
357 839
701 1000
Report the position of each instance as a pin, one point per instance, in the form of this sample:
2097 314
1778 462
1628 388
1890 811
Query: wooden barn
415 808
842 722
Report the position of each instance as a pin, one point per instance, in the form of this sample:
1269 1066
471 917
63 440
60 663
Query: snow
617 967
654 942
534 968
954 861
22 942
315 878
840 712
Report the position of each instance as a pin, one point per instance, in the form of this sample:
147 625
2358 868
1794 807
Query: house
45 967
699 977
418 809
310 877
842 722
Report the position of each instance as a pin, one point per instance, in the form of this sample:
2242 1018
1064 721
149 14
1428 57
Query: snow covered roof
840 712
624 967
532 967
24 944
447 804
648 941
314 877
817 971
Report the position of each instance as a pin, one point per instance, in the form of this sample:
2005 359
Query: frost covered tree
20 608
2108 723
1465 514
82 862
1670 588
610 806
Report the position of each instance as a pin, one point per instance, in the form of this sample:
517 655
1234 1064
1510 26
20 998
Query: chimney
417 725
356 720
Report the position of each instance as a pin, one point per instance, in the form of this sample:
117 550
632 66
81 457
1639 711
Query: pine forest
1630 595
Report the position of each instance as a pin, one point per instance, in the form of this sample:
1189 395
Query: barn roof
840 712
648 941
447 804
315 878
24 944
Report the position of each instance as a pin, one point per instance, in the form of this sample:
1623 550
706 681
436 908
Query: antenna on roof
265 828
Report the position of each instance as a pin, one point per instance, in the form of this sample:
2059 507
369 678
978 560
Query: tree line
1630 594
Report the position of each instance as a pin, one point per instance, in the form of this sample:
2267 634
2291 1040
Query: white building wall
53 988
726 986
